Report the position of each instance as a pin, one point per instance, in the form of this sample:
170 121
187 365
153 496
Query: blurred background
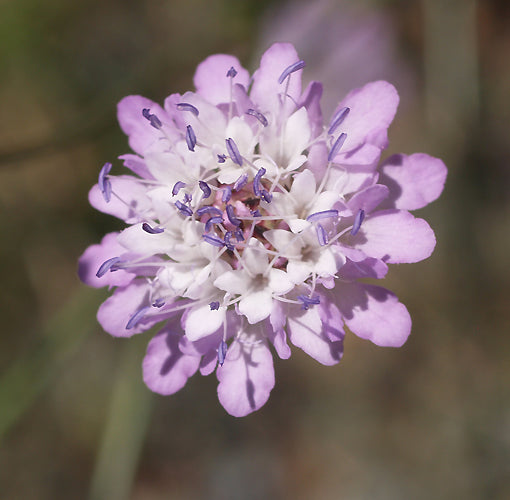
429 420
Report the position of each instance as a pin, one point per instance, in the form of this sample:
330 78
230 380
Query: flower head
250 222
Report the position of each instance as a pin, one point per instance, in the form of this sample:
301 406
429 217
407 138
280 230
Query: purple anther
336 147
158 303
322 235
221 158
137 317
338 119
256 213
231 73
177 187
226 194
259 116
151 230
153 119
233 151
222 352
211 221
238 233
183 209
308 301
187 198
325 214
232 216
266 196
191 138
185 106
146 112
360 216
107 266
214 306
104 183
228 237
291 69
240 182
205 188
209 209
256 181
213 240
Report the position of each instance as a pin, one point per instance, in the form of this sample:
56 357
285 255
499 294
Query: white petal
256 306
202 321
279 281
234 282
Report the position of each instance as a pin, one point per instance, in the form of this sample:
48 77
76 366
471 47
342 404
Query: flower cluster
251 222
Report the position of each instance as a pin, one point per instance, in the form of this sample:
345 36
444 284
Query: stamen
213 240
222 352
266 196
308 301
185 106
107 266
104 183
177 186
187 198
256 213
209 209
325 214
336 147
291 69
231 73
205 188
137 317
360 216
191 138
322 235
183 209
151 230
257 189
240 182
259 116
338 119
214 305
238 233
221 158
227 238
233 151
153 119
231 216
158 303
227 194
211 221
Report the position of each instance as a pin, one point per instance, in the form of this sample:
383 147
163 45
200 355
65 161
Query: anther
227 194
231 73
107 266
213 240
158 303
184 106
183 209
191 138
228 236
338 119
322 235
211 221
232 216
151 230
221 158
153 119
209 209
240 182
238 233
214 306
177 187
137 317
205 188
325 214
308 301
222 352
360 216
291 69
256 213
336 146
233 151
259 116
104 183
266 196
256 182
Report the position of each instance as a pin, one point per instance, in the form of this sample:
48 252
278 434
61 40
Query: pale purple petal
276 333
311 101
395 236
374 313
246 378
368 199
414 181
165 368
136 165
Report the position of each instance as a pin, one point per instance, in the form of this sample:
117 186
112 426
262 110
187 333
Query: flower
250 223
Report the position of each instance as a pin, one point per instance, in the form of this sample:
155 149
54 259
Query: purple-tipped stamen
257 187
222 352
291 69
185 106
336 147
187 198
308 301
104 183
325 214
107 266
158 303
231 73
183 209
227 238
238 233
233 151
240 182
232 216
151 230
153 119
177 187
137 317
214 306
213 240
256 213
322 235
259 116
209 209
338 119
266 196
211 221
191 138
221 158
205 188
226 194
360 216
